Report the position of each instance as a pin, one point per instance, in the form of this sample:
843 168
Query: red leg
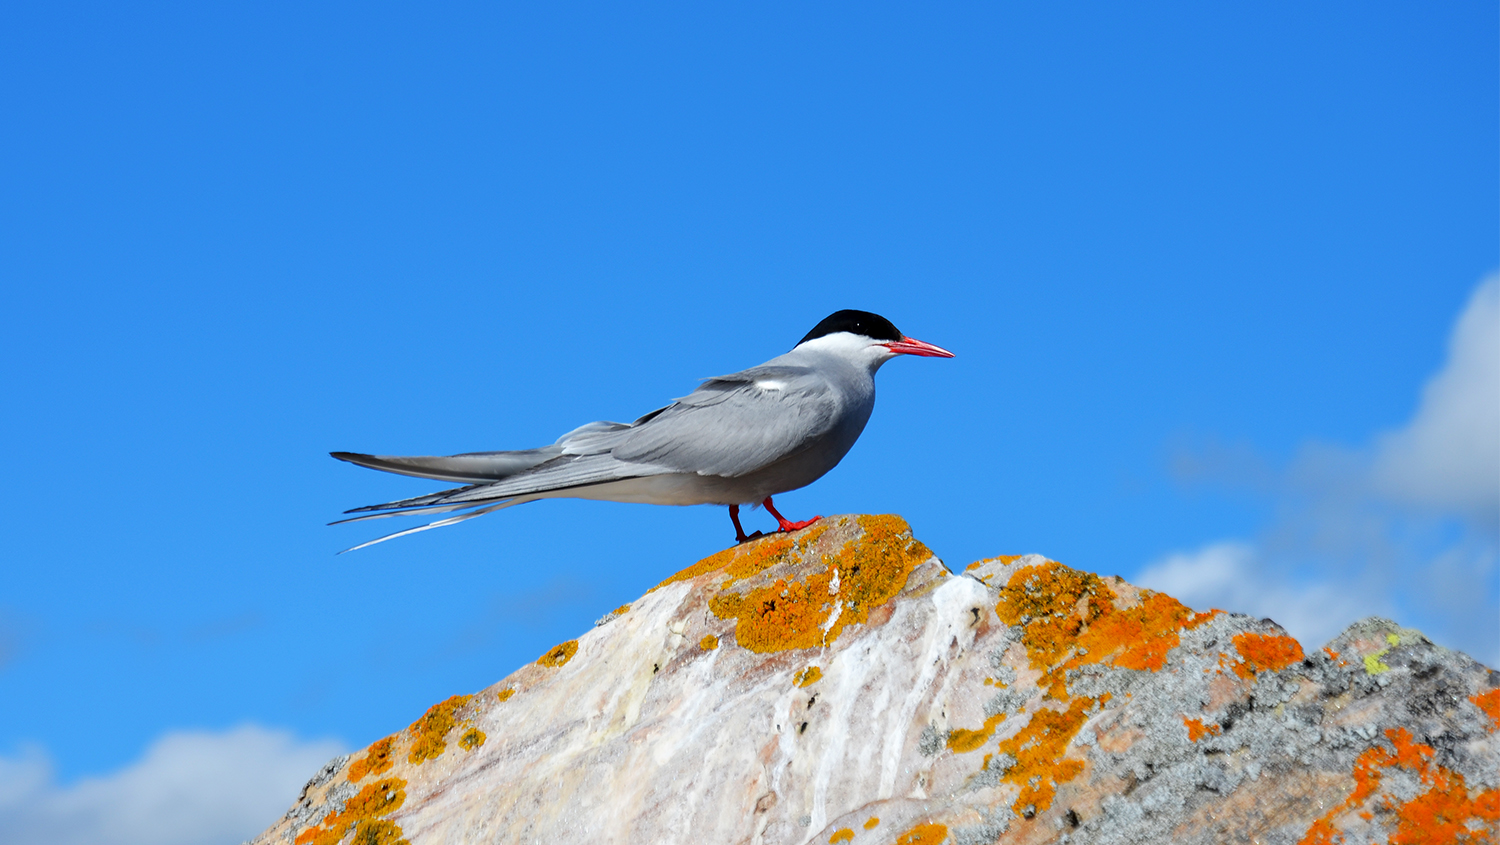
739 533
783 523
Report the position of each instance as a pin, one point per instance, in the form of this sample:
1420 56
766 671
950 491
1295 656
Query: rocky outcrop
839 684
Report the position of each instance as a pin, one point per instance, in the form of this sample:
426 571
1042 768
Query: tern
737 440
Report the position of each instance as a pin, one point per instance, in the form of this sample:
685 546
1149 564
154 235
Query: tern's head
867 338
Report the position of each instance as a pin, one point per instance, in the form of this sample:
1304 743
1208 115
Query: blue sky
1201 264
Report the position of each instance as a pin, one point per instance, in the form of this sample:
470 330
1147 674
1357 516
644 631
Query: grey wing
733 425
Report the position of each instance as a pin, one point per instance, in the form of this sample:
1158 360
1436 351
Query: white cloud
1408 527
189 788
1448 456
1231 576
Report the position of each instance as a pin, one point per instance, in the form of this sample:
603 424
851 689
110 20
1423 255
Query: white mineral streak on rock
926 708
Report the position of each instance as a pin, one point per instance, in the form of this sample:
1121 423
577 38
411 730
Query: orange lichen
923 834
714 561
1005 560
843 834
621 610
709 643
1446 813
472 739
1265 653
808 676
872 822
378 832
380 798
1052 603
505 694
798 614
963 740
873 571
1489 702
749 557
1332 655
1443 811
785 615
1322 832
559 655
1038 751
377 759
1142 634
430 733
1197 730
361 814
1070 618
762 556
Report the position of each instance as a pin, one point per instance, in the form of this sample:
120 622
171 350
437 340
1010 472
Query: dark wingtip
346 456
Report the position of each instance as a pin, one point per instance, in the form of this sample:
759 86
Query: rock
840 685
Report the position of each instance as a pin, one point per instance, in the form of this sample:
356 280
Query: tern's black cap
864 323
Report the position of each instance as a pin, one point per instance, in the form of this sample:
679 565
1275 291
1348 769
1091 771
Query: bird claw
786 526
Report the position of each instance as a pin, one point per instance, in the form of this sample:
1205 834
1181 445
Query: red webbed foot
782 523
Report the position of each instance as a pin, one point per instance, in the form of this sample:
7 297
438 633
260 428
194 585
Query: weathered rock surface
840 685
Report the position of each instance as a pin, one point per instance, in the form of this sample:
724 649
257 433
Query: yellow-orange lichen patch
871 823
748 558
1489 702
505 694
361 814
758 557
785 615
807 677
430 733
377 759
558 655
1052 603
715 561
1443 811
924 834
1005 560
873 571
963 740
843 834
709 642
378 832
1070 618
1197 730
1265 653
811 612
472 739
1038 750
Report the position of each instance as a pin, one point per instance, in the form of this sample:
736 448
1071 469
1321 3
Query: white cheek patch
771 384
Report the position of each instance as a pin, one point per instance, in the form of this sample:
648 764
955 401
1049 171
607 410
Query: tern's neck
853 350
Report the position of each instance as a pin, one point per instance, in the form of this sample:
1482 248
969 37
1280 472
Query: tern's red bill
912 346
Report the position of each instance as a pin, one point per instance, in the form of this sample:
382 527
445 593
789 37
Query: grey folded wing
730 426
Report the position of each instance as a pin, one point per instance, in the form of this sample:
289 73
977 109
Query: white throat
856 349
